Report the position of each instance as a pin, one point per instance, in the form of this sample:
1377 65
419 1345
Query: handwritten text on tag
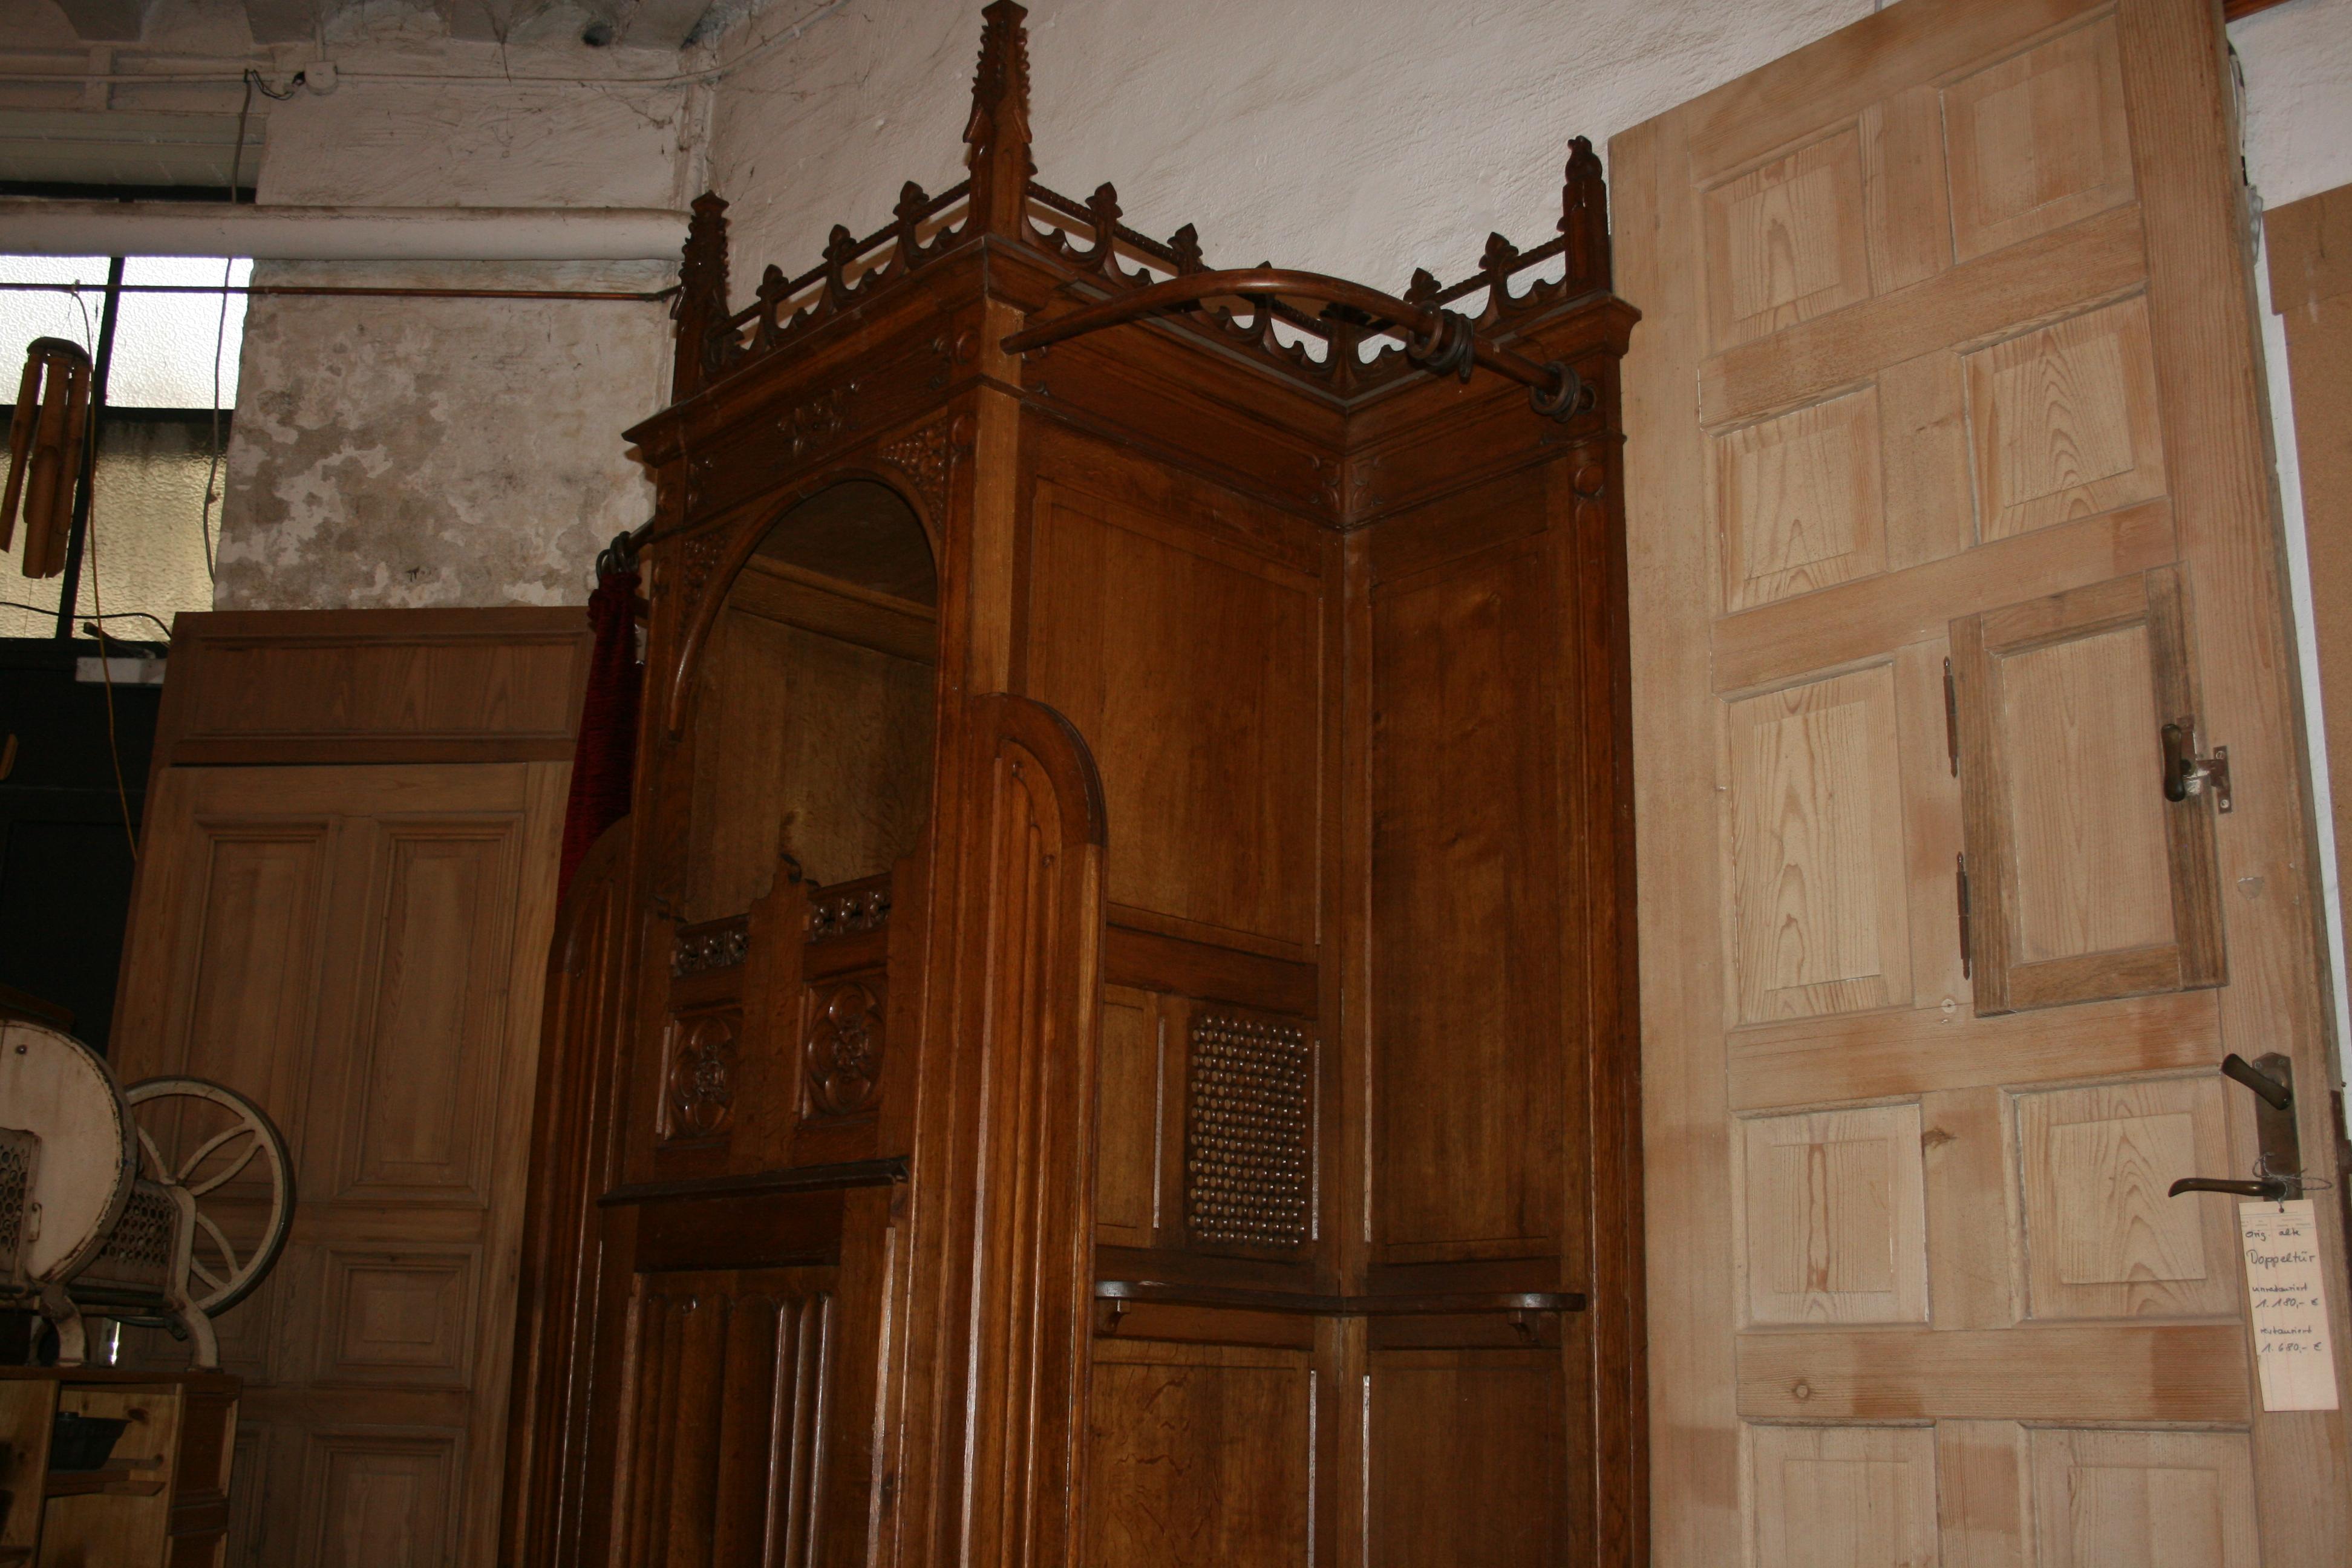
2293 1347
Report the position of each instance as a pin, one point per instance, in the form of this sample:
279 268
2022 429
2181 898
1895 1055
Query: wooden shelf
142 1479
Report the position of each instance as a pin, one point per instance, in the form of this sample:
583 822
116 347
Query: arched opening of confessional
814 723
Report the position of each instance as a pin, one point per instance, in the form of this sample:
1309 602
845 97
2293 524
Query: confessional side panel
1476 1145
1186 630
1467 1044
1180 625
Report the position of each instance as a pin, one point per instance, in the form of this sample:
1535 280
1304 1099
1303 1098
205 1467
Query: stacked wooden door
1947 366
359 949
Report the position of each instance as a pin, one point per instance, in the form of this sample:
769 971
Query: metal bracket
2186 773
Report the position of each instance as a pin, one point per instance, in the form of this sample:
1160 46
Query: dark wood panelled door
1003 1212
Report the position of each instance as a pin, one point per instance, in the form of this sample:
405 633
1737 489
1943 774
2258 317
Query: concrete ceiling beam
282 21
105 21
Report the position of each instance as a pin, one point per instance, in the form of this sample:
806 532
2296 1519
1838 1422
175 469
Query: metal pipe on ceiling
34 227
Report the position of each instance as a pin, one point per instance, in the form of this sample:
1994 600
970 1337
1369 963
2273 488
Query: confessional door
1963 552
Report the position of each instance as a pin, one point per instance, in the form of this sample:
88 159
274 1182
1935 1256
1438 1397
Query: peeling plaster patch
408 453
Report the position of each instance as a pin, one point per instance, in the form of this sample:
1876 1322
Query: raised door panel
2062 421
2144 1499
1799 501
1201 697
1466 1451
1833 1219
1786 241
425 1064
1199 1456
1467 1057
226 986
1844 1497
1813 835
1128 1117
379 1497
250 1475
2102 1237
403 1318
2037 141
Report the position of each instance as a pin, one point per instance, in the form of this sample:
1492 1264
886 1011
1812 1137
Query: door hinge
1951 719
1960 887
2186 773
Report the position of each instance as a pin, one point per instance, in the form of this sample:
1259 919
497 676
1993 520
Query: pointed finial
998 130
1584 219
701 294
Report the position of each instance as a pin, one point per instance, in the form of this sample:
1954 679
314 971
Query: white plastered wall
422 452
2297 64
1364 138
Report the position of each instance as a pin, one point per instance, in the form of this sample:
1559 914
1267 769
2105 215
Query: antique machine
1106 1037
163 1205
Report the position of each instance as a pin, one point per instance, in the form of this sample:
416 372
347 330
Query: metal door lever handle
2279 1175
2270 1091
2270 1188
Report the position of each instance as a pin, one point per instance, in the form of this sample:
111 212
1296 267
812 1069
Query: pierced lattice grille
138 1252
1247 1176
15 1190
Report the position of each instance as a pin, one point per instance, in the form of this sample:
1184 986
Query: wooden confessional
1107 1036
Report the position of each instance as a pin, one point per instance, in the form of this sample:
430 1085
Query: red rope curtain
603 763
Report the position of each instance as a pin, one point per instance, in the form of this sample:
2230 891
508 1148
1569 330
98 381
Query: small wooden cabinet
160 1498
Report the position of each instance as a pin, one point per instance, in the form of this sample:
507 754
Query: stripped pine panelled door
1947 490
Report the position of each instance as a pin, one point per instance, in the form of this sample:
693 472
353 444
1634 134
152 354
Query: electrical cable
213 450
105 657
220 347
681 78
110 616
253 80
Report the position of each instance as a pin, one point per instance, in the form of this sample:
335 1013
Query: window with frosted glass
155 520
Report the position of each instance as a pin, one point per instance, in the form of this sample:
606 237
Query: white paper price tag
2293 1348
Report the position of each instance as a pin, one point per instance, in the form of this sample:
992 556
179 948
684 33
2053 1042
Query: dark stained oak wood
1145 940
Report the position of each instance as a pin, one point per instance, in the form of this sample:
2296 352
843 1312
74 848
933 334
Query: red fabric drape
603 763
